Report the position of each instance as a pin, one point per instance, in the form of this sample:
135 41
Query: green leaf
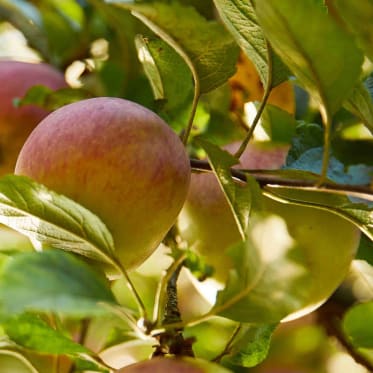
170 78
197 266
361 105
358 16
33 333
52 281
350 162
206 7
358 325
278 124
150 68
53 220
65 35
88 364
221 129
365 251
206 47
239 196
269 280
251 345
71 10
13 361
51 100
358 213
240 18
311 160
307 136
353 151
328 69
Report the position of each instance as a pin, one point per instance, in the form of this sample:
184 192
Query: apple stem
172 313
159 304
171 340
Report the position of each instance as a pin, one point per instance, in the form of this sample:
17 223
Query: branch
172 341
266 178
228 346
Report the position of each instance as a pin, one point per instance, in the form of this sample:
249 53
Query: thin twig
192 114
228 346
330 316
267 92
250 132
326 154
127 317
130 285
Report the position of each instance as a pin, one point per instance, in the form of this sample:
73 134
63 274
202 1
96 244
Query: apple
175 365
206 223
17 123
118 159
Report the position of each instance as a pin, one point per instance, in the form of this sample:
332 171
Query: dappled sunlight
13 45
343 363
275 245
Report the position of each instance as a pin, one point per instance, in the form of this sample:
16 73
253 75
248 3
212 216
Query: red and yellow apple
118 159
329 242
174 365
16 123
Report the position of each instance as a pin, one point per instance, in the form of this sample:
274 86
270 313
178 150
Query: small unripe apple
16 123
328 241
118 159
174 365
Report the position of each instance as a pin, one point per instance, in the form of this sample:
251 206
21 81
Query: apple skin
16 124
174 365
329 242
118 159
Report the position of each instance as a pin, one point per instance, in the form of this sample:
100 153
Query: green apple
118 159
174 365
329 242
16 124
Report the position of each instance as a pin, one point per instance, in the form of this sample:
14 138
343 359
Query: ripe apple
175 365
206 222
17 123
118 159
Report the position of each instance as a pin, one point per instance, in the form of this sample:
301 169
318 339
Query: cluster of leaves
176 57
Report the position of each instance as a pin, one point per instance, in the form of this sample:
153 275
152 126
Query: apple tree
186 186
